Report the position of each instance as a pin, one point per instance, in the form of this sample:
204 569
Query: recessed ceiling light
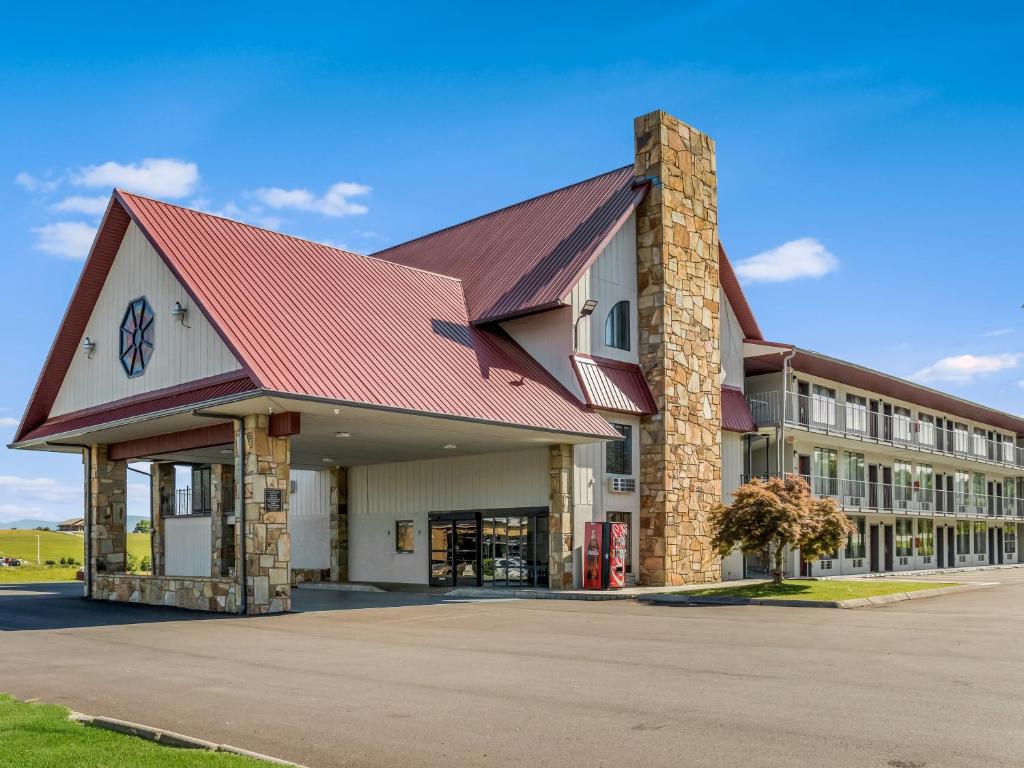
337 411
226 451
449 446
327 460
343 434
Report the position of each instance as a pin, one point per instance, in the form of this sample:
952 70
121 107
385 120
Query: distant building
73 525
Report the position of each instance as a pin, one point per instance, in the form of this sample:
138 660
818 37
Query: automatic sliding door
467 553
441 571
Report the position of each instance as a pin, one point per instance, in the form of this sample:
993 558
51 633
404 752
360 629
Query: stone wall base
307 575
200 594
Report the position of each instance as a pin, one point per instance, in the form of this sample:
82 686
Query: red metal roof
611 385
309 320
212 389
528 256
854 375
737 299
736 416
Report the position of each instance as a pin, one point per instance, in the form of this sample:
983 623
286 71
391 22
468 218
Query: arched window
616 327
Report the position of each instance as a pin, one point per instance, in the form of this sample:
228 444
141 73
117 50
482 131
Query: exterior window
901 424
136 337
925 537
978 489
962 487
901 480
963 537
926 433
854 474
616 327
1010 538
619 453
980 537
979 442
404 536
823 406
825 480
925 483
856 542
856 413
904 537
960 438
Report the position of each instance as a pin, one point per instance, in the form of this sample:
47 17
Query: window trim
399 525
626 430
617 323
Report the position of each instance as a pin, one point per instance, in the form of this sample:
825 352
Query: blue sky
873 155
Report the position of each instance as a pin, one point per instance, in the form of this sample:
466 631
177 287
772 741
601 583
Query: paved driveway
409 680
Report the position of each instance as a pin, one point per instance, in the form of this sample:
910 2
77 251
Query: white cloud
67 239
20 511
998 332
7 421
963 368
35 184
38 488
231 210
82 204
162 177
796 259
334 202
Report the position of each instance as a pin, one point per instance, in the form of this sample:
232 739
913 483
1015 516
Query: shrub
146 564
132 563
51 562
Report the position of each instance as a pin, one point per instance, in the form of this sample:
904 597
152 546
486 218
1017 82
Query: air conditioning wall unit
617 484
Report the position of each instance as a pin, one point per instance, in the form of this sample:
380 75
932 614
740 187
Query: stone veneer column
267 543
678 286
162 481
560 568
222 495
108 511
339 524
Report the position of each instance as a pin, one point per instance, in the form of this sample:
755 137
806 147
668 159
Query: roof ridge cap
122 193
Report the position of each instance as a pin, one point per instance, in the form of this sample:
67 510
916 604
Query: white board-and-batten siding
180 354
309 519
381 494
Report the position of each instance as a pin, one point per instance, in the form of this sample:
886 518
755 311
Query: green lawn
52 546
41 736
55 545
808 589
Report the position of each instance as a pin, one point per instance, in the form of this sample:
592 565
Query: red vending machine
604 556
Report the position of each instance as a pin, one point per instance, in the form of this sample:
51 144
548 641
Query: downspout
781 439
87 571
243 597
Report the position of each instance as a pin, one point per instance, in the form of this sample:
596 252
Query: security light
89 346
585 311
179 312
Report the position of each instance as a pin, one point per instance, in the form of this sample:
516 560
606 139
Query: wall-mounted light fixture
89 346
585 311
179 313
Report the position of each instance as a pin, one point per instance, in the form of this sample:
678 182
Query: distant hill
27 524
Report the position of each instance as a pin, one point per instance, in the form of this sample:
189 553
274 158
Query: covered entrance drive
491 548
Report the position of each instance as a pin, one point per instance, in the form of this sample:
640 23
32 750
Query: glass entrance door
441 562
467 553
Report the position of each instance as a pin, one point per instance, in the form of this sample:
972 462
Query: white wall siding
180 354
381 494
732 464
547 337
611 278
187 546
309 519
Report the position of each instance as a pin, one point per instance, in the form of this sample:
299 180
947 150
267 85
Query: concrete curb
336 586
530 594
171 739
857 602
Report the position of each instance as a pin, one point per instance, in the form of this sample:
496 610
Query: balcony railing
866 496
853 420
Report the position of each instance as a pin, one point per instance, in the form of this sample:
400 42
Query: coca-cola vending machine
604 556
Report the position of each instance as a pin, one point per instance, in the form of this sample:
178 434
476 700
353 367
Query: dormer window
616 327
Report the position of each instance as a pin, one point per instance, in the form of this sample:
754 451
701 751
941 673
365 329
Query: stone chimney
680 353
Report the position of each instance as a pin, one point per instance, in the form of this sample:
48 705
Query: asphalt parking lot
410 680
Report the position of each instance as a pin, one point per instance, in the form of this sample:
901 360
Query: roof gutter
243 596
